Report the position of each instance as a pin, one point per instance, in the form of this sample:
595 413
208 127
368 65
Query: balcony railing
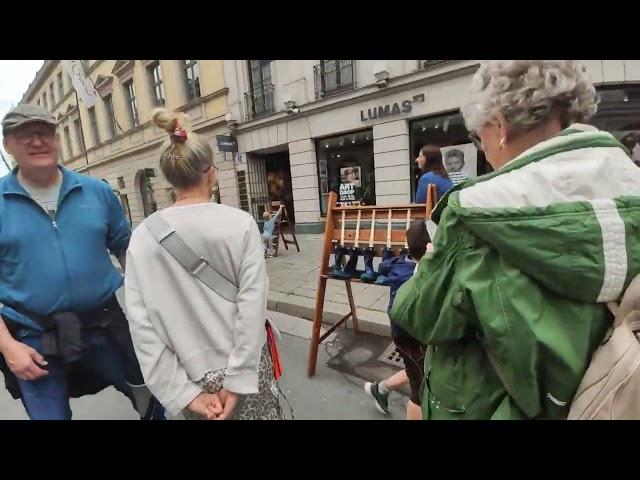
259 102
433 63
330 82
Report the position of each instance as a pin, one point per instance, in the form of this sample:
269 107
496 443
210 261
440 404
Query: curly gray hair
525 91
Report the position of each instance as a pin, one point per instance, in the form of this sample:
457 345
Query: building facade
115 140
303 127
307 127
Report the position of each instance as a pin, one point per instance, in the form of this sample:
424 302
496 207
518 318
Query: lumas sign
390 109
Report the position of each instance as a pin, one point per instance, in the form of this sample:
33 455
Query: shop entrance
269 180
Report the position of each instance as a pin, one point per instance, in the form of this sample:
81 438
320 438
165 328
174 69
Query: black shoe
382 399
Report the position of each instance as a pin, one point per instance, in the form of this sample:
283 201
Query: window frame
339 85
66 131
156 82
93 123
111 114
60 82
130 96
77 126
193 67
262 86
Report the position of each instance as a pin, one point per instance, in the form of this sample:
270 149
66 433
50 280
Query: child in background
267 230
398 270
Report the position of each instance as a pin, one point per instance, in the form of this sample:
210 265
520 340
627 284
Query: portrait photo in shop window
460 161
632 142
350 175
349 189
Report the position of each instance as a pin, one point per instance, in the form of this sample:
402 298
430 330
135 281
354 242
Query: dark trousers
48 397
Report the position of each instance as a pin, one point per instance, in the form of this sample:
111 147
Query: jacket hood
566 212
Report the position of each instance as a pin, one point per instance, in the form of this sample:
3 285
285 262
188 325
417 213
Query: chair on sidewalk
284 226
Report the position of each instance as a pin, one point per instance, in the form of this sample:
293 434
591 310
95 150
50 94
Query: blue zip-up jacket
397 270
62 264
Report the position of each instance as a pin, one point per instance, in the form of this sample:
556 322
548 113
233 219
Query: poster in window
323 168
461 161
350 175
350 191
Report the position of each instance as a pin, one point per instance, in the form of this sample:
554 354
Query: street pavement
334 393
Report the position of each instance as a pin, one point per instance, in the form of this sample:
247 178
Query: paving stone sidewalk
293 282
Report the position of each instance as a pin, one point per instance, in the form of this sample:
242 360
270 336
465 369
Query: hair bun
169 121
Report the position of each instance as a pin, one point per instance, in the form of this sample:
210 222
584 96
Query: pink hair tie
180 134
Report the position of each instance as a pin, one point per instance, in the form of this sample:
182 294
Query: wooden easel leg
295 239
353 306
317 323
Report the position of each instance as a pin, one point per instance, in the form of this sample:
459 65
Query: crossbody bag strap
200 268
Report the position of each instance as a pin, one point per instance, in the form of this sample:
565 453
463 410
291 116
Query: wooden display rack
339 231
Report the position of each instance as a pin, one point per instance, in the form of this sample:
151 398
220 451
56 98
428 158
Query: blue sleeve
421 193
385 267
119 232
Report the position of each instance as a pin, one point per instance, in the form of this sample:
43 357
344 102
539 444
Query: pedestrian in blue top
429 162
62 331
267 230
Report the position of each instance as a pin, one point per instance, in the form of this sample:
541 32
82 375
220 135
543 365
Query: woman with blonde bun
201 353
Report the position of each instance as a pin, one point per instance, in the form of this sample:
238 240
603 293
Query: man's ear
4 145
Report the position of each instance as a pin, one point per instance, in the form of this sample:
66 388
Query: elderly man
62 332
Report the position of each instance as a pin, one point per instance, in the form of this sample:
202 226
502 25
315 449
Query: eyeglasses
475 139
24 137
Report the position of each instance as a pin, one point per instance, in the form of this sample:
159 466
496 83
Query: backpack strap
167 236
630 302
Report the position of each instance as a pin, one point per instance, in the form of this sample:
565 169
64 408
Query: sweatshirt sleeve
249 333
164 375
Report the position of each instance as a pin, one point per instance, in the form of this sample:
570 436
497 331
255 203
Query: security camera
291 106
382 78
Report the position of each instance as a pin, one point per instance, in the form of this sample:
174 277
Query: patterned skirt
264 405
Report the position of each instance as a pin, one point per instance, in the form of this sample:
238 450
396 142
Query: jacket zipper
54 224
63 256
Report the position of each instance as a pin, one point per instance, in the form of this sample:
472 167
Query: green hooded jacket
524 260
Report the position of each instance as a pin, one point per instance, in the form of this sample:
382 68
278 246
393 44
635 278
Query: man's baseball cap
26 113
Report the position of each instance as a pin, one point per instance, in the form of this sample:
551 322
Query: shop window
346 167
460 157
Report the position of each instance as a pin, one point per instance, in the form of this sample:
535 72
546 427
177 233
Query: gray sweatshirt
180 328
